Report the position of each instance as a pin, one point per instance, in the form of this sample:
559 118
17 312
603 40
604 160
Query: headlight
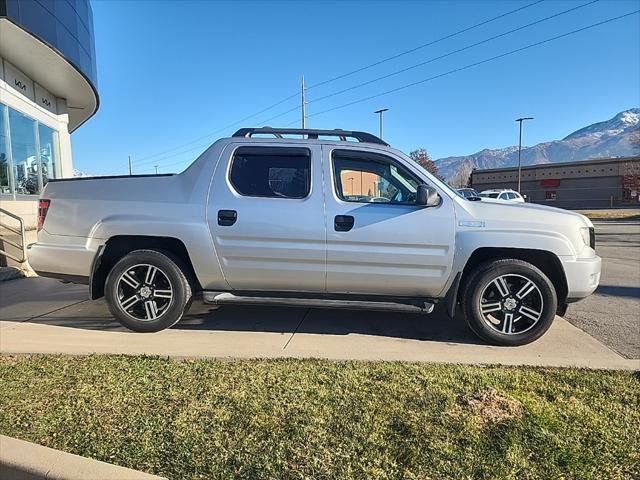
588 236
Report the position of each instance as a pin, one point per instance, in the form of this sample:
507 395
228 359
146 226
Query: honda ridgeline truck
318 218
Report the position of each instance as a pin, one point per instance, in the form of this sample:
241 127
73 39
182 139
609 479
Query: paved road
612 314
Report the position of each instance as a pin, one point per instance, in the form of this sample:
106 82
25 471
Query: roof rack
311 134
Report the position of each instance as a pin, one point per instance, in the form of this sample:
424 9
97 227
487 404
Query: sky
174 76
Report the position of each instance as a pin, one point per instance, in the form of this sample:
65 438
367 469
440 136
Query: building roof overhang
45 65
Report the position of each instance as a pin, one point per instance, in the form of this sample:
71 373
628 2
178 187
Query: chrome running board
225 298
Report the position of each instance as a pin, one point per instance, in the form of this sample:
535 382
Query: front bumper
583 276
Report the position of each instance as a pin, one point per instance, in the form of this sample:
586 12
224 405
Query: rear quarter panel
91 211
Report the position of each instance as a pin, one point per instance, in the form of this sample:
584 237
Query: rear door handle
226 218
343 223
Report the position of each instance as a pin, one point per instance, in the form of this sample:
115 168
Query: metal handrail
23 239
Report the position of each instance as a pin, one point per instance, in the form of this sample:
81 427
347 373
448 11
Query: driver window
371 178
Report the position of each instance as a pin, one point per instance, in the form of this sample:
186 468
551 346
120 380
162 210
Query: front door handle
226 218
343 223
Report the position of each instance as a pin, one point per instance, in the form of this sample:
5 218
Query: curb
20 460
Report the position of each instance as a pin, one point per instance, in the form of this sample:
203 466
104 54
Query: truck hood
528 212
506 219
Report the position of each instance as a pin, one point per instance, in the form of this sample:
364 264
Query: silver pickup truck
325 218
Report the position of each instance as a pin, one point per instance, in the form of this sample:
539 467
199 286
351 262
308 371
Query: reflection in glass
23 151
33 156
65 25
5 187
370 180
48 153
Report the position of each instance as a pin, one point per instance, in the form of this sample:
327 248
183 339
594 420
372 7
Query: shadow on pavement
630 292
44 302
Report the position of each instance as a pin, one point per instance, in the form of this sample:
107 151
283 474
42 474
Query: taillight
43 208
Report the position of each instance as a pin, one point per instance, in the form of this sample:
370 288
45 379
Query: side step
226 298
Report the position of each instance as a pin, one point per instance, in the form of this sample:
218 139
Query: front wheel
147 291
508 302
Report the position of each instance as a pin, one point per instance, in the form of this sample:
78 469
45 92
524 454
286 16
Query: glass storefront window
5 186
28 153
23 150
48 153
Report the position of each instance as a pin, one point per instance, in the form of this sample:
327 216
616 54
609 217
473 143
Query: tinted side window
271 172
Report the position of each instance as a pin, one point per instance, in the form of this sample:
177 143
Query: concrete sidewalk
20 460
39 315
563 346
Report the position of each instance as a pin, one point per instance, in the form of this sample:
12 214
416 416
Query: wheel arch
548 262
118 246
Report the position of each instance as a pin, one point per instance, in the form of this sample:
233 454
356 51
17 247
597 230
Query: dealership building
599 183
48 89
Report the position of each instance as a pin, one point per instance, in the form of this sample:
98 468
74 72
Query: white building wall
47 109
20 93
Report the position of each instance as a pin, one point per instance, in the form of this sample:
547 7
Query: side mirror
427 196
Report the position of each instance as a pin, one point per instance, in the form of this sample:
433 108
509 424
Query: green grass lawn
287 419
613 214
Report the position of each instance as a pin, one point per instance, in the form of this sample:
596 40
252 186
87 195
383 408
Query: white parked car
503 194
315 222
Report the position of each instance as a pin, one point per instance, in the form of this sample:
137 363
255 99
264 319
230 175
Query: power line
411 67
233 124
421 64
143 160
564 12
496 57
419 47
297 107
465 67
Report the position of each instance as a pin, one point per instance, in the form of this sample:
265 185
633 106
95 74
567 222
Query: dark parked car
467 192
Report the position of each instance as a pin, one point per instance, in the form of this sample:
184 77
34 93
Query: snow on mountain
611 138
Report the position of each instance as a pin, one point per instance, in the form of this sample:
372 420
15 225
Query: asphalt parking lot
611 316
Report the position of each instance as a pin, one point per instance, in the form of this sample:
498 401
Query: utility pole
520 120
156 169
381 113
303 103
129 165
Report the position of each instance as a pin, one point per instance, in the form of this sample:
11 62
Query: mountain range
616 137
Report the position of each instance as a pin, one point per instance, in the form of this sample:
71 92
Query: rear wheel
147 291
508 302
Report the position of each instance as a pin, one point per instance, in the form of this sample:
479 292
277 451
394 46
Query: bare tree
461 179
422 158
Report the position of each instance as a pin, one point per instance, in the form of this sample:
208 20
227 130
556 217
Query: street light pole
381 113
520 120
303 103
156 168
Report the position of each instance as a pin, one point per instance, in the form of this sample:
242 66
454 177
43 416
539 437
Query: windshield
489 195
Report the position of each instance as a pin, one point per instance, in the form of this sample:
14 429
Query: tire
148 291
508 302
